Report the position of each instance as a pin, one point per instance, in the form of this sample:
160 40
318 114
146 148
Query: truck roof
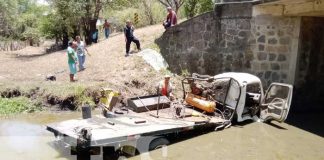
242 78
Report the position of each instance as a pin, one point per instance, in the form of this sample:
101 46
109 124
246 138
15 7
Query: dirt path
107 64
107 60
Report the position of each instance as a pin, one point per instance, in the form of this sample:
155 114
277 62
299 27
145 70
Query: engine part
199 102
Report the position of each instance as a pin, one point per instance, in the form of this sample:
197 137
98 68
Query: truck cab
255 103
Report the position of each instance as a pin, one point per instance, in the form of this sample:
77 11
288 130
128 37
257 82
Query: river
24 137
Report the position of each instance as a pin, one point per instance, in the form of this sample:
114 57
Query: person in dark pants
129 37
94 36
106 27
171 19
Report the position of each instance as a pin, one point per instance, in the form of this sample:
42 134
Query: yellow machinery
109 98
201 103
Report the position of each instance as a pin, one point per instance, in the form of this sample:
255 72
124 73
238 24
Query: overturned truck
150 122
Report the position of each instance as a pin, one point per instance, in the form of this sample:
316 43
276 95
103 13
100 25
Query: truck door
276 102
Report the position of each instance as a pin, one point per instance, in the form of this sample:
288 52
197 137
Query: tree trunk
90 21
65 40
148 12
89 27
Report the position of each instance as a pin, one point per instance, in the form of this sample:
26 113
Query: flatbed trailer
129 129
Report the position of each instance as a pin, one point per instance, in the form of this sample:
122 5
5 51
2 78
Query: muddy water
251 141
24 138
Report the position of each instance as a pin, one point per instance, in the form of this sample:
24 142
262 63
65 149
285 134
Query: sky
42 2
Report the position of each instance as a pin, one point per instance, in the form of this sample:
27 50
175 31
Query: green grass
17 105
81 93
82 98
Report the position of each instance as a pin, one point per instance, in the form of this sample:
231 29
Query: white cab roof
242 78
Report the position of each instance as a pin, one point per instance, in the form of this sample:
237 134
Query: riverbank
23 73
29 96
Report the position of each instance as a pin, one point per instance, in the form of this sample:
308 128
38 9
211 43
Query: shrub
17 105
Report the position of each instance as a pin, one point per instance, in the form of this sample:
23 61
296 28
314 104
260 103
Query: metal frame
207 78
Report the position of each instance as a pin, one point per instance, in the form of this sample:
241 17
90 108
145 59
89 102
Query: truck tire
158 143
109 153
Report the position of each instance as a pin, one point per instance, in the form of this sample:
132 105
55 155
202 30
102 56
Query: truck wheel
158 143
109 153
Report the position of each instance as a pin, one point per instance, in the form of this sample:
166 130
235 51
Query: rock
272 56
262 56
285 41
261 39
154 58
275 77
267 74
281 58
50 77
275 66
272 41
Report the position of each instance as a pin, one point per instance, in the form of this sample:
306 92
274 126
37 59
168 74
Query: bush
17 105
195 7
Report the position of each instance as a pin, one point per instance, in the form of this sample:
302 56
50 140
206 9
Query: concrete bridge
279 41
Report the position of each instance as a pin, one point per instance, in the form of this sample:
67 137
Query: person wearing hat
171 18
165 87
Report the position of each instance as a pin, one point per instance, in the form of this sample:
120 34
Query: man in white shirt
81 52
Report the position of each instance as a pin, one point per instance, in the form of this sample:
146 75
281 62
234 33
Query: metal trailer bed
127 127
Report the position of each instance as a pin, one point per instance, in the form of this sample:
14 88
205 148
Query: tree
90 18
175 4
92 10
205 6
195 7
8 13
148 11
81 16
191 8
19 19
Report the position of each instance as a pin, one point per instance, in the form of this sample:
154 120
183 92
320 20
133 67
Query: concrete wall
230 39
190 45
274 42
211 43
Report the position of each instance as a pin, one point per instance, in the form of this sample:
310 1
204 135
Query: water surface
24 137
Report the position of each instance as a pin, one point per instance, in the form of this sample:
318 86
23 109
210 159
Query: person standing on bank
107 28
72 59
95 35
129 37
171 18
81 51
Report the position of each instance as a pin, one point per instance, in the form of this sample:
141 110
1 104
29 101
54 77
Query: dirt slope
107 66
